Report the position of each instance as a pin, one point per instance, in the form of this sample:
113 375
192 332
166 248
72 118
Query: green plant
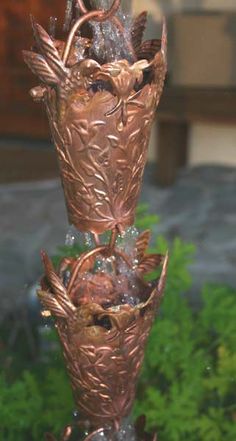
34 404
188 384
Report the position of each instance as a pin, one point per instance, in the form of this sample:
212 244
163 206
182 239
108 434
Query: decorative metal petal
137 30
149 263
48 50
52 304
142 243
149 49
40 67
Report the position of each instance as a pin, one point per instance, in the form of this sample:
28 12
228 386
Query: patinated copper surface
103 339
100 117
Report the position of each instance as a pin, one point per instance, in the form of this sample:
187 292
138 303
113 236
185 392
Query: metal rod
106 14
99 16
116 21
75 28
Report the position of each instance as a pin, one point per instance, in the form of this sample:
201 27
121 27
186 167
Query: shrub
188 384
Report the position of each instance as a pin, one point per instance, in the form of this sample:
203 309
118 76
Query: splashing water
126 242
70 237
76 237
104 265
89 241
110 281
125 433
80 50
100 436
109 44
108 288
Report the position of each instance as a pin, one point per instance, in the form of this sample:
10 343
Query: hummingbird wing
59 299
52 304
48 50
40 67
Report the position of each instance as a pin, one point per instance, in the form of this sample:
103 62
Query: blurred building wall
209 143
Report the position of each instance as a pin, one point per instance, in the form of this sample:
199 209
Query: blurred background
190 180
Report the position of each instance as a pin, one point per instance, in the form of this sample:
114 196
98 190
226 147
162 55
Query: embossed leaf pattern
104 172
48 50
101 138
93 353
51 303
40 67
99 365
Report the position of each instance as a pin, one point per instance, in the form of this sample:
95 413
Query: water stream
110 281
109 44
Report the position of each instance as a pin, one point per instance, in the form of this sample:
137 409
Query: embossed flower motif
83 71
123 78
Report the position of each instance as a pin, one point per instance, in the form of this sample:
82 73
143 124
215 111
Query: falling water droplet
52 26
88 240
80 49
127 431
68 15
70 237
127 243
75 413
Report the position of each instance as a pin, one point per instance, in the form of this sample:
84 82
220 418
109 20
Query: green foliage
188 384
145 220
34 404
20 406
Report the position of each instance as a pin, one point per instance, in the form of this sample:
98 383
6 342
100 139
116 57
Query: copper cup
103 344
100 117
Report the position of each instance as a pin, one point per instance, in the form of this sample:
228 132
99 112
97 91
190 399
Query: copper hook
109 14
103 249
106 14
